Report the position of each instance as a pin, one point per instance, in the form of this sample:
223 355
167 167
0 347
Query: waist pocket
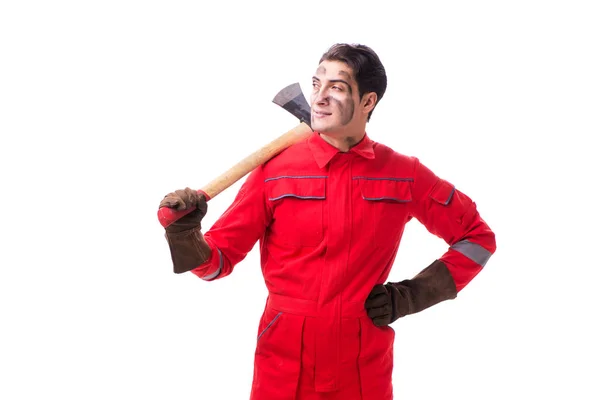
266 328
277 356
376 360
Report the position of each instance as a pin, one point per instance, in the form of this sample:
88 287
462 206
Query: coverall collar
323 152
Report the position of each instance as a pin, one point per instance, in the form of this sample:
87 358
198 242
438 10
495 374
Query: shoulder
387 156
296 157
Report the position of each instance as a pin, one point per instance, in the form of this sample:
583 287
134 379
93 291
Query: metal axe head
292 99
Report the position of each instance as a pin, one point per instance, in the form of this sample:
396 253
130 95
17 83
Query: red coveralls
329 225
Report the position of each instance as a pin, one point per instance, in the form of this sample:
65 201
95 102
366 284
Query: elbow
491 242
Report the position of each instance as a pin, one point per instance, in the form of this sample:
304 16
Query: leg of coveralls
345 393
349 377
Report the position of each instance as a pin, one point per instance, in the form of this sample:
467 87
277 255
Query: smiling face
336 108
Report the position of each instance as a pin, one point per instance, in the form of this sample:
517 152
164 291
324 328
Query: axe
291 99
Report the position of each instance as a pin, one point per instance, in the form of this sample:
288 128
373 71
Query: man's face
334 98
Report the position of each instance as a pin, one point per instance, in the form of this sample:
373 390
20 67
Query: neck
342 142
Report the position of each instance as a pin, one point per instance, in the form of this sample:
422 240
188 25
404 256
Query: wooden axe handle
166 215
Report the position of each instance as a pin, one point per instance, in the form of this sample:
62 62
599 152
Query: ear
368 102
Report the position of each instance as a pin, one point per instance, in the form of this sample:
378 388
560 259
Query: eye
336 88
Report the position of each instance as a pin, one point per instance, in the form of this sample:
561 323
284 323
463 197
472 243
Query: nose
322 96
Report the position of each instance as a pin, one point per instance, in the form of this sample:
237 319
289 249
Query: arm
451 215
214 254
238 229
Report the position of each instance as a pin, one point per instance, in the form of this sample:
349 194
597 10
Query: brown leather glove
386 303
186 242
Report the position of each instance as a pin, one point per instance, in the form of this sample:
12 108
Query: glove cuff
188 249
432 285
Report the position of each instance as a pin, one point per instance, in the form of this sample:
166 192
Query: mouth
320 114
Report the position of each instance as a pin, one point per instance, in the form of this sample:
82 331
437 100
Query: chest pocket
297 203
385 202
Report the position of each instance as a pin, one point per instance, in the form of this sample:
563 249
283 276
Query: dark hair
368 69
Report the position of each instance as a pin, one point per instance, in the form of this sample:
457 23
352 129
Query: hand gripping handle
166 215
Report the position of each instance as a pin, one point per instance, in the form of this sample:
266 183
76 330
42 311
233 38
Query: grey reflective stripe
367 178
218 271
386 198
450 197
298 197
296 177
268 326
472 251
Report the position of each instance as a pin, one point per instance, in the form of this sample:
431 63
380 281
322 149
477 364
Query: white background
106 106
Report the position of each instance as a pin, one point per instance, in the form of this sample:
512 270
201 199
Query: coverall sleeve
237 230
451 215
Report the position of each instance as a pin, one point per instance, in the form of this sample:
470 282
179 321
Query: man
329 214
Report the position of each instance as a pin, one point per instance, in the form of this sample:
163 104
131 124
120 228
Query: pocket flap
442 192
300 187
386 189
